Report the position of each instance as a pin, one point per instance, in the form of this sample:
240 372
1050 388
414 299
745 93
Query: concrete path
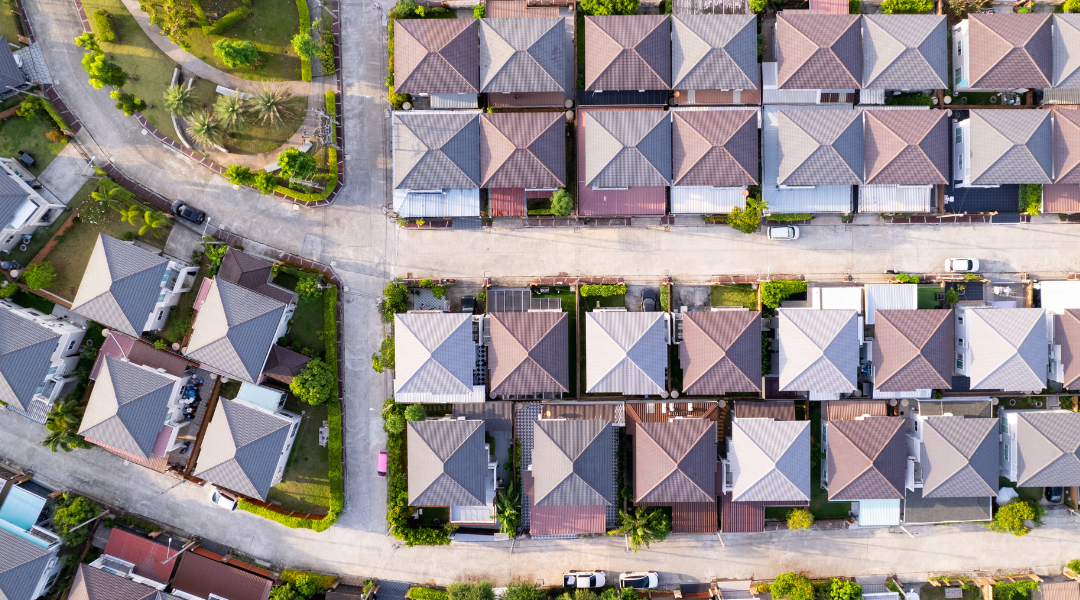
66 173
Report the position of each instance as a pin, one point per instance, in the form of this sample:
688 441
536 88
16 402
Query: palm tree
216 253
178 100
66 440
642 527
152 221
129 214
271 104
203 128
66 415
230 110
110 192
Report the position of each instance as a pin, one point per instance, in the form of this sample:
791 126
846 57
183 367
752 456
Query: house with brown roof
628 52
1065 349
522 154
528 60
714 59
572 476
675 464
818 51
1002 52
720 352
143 560
714 155
866 462
1063 196
1066 62
624 160
528 355
438 57
904 52
912 352
254 273
995 147
905 154
200 578
436 168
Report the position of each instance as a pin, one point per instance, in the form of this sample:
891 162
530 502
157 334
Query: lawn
27 300
271 26
819 496
305 486
568 307
42 235
307 324
256 138
734 295
7 23
18 133
1027 494
926 295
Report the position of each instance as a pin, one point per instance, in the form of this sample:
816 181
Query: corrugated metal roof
22 508
626 353
698 200
1061 198
913 350
770 460
959 457
1066 61
822 198
848 410
447 463
444 203
631 52
201 576
895 198
120 285
506 202
820 51
879 513
1011 148
819 350
690 517
821 147
944 510
741 517
867 459
1048 448
1060 590
152 560
663 412
454 101
714 52
566 520
26 350
503 9
1008 348
904 52
781 410
893 296
838 298
606 411
1009 51
435 354
523 55
268 399
721 352
436 56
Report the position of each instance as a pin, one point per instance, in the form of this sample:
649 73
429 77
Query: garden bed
305 485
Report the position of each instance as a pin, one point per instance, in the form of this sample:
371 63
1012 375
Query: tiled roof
572 463
12 197
1066 60
819 350
959 457
201 576
770 460
904 52
714 52
128 407
10 74
523 55
284 364
254 273
721 352
1009 51
96 584
818 51
26 350
1048 448
436 56
906 147
1067 145
821 147
234 329
626 353
1067 335
1011 146
152 560
22 564
716 148
434 353
523 150
528 353
631 52
627 149
241 449
436 150
675 462
913 350
867 459
120 286
447 463
1008 348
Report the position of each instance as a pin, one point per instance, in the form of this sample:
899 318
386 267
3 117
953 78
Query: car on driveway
1054 495
639 580
961 265
787 232
223 499
584 579
649 300
188 213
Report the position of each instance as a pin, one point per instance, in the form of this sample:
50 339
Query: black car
1054 495
188 213
468 305
649 300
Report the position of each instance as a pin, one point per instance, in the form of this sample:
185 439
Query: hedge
324 582
229 20
55 114
305 24
603 290
785 217
104 25
331 159
422 593
774 292
201 16
1031 198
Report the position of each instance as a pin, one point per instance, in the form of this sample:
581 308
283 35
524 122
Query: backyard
180 318
306 326
930 592
42 235
927 295
271 27
569 307
734 295
8 26
305 486
28 135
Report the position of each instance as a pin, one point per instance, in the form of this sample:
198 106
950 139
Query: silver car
787 232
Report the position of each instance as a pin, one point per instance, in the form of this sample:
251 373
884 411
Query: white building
22 210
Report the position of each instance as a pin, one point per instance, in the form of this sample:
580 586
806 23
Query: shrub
609 7
9 289
1072 6
774 292
792 586
104 25
103 72
316 383
405 8
127 103
527 591
230 19
419 593
297 165
604 291
73 511
236 53
1011 589
326 54
54 136
562 202
1067 403
914 7
307 286
1074 565
749 219
200 16
475 591
305 45
479 11
160 344
854 6
1013 517
788 217
239 175
395 300
415 412
842 589
972 277
383 360
800 518
39 275
758 5
304 13
1030 198
952 296
265 182
905 278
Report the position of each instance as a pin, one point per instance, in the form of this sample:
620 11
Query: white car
961 265
584 579
788 232
639 580
223 499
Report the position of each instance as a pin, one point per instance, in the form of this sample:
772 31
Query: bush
528 591
562 202
792 586
749 219
1009 590
911 7
1074 565
316 383
1030 198
758 5
307 286
305 23
326 54
236 53
788 217
905 278
1067 403
854 6
8 290
1013 517
800 518
842 589
952 296
405 9
419 593
383 360
395 300
160 345
916 99
296 164
319 582
104 25
127 103
415 412
265 182
1072 6
239 175
603 291
230 19
474 591
609 7
39 275
479 11
774 292
200 15
71 512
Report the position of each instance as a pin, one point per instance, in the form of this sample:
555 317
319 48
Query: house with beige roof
526 56
450 466
573 476
626 353
904 52
819 351
38 356
436 162
992 52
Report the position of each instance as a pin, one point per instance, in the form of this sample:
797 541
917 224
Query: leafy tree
8 289
383 360
305 45
152 222
1013 517
479 11
951 296
843 589
296 164
215 253
236 53
524 591
747 220
405 9
173 18
128 103
230 111
800 518
562 202
88 41
178 100
1011 589
65 440
31 107
415 412
302 588
394 422
204 128
792 586
71 512
239 175
265 182
103 71
270 104
609 7
508 508
913 7
395 300
475 591
39 275
307 286
774 292
643 526
1072 6
758 5
316 383
129 214
1031 198
66 415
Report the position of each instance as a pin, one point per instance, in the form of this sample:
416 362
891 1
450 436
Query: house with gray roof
993 52
246 447
821 147
528 354
573 470
994 147
235 328
435 355
437 56
1002 348
130 289
22 209
12 78
449 464
28 549
1040 448
626 353
627 52
1065 354
796 199
818 51
253 272
523 55
904 52
98 584
912 351
523 150
819 351
768 460
436 166
957 457
714 155
627 148
38 355
1066 35
720 352
713 52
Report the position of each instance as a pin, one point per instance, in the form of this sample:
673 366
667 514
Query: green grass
271 26
1027 494
42 235
305 485
579 37
591 302
568 307
305 326
7 23
926 296
435 516
230 389
819 496
19 133
256 138
733 295
185 308
27 300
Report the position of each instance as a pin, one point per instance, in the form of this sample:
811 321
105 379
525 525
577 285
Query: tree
748 220
1072 6
128 103
758 5
383 360
316 383
508 508
302 588
774 292
71 512
8 288
239 175
88 41
951 296
609 7
65 440
307 286
643 526
843 589
31 107
892 7
66 415
415 412
270 104
172 18
178 100
394 422
475 591
524 591
129 213
152 222
229 110
296 164
305 45
1013 517
39 275
265 182
800 518
204 129
479 11
405 9
562 202
395 300
236 53
792 586
215 253
103 71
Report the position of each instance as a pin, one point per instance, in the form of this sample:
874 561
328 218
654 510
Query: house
130 289
720 352
818 51
522 154
675 464
1040 448
437 57
819 351
1064 195
1002 52
912 352
435 357
12 78
525 56
904 52
235 328
1065 351
201 578
866 461
623 160
527 355
103 584
283 364
626 353
248 442
38 354
1002 348
714 59
820 147
572 476
783 198
450 466
22 209
1066 31
994 147
631 52
143 560
29 564
254 273
136 411
714 154
906 153
436 162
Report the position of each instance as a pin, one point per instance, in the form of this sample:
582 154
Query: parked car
649 300
187 213
789 232
961 265
223 499
639 580
1054 495
468 305
584 579
383 459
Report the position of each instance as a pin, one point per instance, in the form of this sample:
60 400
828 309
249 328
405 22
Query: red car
382 464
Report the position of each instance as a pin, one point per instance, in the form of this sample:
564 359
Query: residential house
714 59
283 364
1040 448
675 464
904 52
528 354
29 563
994 147
624 161
1063 196
819 352
911 352
436 355
12 78
1002 348
130 289
626 353
104 584
784 198
572 476
720 352
952 472
522 154
820 147
143 560
38 354
450 465
202 578
248 442
439 58
22 209
254 273
235 328
866 462
818 51
714 155
906 154
1066 32
1002 52
1065 349
529 57
631 52
436 162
